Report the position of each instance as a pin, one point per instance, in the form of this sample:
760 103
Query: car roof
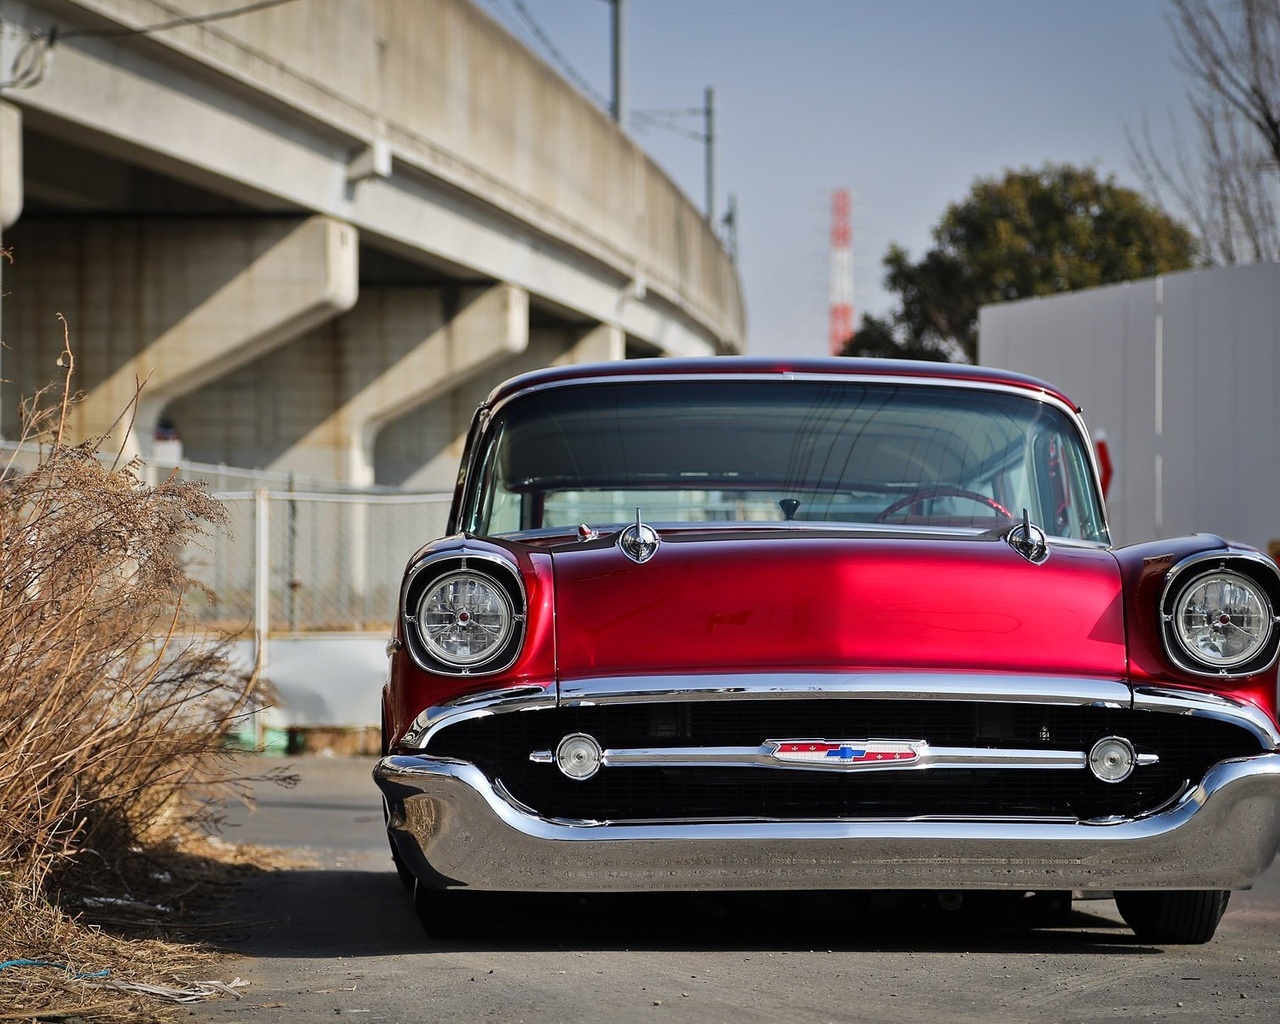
781 367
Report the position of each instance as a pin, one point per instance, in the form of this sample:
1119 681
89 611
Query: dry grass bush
87 959
112 706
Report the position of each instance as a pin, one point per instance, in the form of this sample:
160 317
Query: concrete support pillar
420 449
604 343
11 191
313 407
174 303
11 196
489 329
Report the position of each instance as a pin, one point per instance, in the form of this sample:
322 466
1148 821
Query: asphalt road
340 941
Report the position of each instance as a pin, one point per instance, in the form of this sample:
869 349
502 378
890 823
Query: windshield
840 452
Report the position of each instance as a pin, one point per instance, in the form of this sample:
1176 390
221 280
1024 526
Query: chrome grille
501 744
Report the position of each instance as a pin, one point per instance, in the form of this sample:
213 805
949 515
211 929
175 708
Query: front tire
1176 918
1050 909
446 913
403 873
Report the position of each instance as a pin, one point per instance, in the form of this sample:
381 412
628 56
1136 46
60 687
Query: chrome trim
1227 551
1173 649
417 645
851 377
1053 690
452 828
1064 690
766 756
468 467
478 705
1067 690
685 528
1210 705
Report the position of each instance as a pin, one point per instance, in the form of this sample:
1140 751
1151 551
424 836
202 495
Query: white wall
1180 373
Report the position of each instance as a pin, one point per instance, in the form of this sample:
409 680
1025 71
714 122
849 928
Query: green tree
1032 232
878 338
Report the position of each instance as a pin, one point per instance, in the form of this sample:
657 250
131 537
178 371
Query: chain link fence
298 556
312 562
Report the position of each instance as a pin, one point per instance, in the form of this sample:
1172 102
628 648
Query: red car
740 624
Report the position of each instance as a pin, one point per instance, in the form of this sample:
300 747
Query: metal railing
298 555
306 562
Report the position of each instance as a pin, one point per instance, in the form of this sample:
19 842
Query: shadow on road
348 913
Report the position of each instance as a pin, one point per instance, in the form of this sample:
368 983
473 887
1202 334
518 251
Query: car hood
744 603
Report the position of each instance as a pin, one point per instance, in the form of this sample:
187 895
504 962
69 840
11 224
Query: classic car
748 624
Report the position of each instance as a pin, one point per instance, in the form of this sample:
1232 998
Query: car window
758 451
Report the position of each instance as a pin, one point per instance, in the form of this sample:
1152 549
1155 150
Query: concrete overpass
321 229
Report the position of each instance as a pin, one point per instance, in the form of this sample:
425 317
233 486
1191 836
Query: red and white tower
841 321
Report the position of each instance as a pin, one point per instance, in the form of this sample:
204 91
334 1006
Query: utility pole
709 112
730 227
618 106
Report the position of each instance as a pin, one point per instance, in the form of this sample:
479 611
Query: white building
1179 372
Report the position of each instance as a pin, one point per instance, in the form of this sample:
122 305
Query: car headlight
464 619
465 614
1221 620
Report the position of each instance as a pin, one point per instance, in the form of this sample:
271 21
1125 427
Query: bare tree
1230 50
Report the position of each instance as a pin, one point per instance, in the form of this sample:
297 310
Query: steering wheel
942 491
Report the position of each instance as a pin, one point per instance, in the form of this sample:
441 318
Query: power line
663 118
559 59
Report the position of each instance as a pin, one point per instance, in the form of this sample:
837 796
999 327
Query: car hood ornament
1029 540
639 542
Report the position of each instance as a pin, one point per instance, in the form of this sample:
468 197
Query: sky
903 102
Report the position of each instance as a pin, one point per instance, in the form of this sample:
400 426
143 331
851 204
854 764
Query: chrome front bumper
454 828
